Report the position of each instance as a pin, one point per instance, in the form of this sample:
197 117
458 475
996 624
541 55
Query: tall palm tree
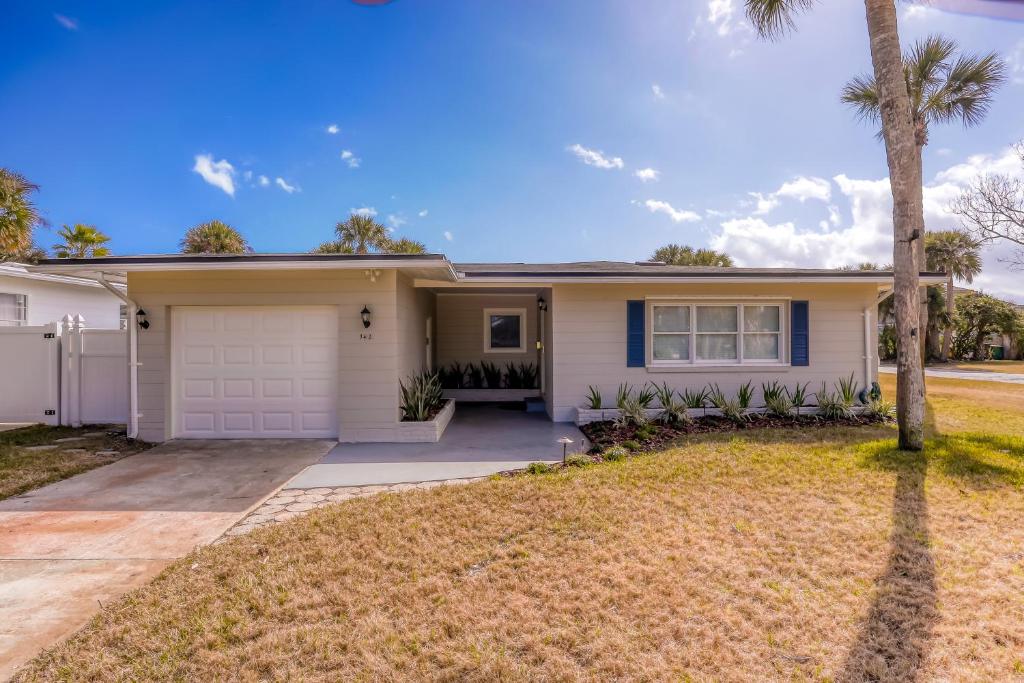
363 234
404 245
81 241
214 237
18 215
958 255
334 247
680 255
773 18
944 86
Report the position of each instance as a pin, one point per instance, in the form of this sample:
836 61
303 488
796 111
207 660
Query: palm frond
861 93
969 87
773 19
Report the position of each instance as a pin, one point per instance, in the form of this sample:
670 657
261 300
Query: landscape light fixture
565 441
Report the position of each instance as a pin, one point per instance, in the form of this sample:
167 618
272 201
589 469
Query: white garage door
255 371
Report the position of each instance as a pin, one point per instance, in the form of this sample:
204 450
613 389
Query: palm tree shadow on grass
894 639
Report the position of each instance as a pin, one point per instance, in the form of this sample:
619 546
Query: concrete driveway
482 439
68 547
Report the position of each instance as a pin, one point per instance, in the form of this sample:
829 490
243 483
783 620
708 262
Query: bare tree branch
992 208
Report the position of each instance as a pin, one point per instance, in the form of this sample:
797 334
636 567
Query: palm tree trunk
947 334
907 214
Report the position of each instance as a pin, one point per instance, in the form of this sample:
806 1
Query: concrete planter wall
426 432
588 415
482 395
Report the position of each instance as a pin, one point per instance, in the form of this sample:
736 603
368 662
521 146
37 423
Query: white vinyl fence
63 373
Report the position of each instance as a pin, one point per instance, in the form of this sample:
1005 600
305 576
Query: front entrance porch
482 439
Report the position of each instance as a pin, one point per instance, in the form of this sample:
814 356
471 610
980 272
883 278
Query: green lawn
22 470
819 554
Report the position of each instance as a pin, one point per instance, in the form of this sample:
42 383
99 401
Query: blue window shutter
635 334
800 334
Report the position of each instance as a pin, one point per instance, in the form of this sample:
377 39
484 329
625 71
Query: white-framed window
13 310
716 333
504 330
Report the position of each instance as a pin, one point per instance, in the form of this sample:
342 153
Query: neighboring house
33 298
268 345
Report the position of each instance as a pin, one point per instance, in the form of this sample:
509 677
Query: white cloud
67 22
593 157
803 188
753 241
721 16
217 173
659 94
283 184
396 221
918 12
448 235
1015 62
647 174
423 213
677 215
333 129
351 159
764 203
247 176
264 181
365 211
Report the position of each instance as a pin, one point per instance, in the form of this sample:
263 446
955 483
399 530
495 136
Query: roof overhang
549 279
29 272
117 267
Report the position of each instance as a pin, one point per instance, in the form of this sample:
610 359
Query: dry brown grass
774 555
22 470
1010 366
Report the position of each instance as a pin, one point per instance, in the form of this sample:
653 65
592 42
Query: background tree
334 247
214 237
772 18
18 217
81 241
944 86
978 316
992 208
363 234
956 254
404 245
679 255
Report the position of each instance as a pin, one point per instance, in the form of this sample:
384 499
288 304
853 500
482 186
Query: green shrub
745 396
615 453
779 405
578 460
474 377
645 397
421 397
731 409
593 397
798 396
631 445
847 389
832 406
879 409
539 468
623 394
632 413
528 375
513 378
646 432
673 411
492 374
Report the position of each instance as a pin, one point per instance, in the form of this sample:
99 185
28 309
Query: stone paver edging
289 503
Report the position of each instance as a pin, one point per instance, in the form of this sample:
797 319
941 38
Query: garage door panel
243 372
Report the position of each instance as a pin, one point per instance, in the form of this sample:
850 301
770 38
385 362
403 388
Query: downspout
133 357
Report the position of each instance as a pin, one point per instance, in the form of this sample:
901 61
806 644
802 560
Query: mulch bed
657 435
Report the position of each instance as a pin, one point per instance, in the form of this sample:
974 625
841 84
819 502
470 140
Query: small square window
504 330
13 310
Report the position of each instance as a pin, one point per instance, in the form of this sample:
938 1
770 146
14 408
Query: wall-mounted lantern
541 304
365 315
140 318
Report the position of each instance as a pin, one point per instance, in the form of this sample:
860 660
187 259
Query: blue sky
491 131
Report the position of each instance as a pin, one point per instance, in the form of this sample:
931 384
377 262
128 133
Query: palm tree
404 245
334 247
943 87
680 255
81 241
363 234
214 237
773 18
18 215
956 254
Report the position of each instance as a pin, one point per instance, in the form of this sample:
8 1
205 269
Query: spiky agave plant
593 398
421 397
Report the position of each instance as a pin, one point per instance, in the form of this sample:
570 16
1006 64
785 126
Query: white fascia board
46 277
121 269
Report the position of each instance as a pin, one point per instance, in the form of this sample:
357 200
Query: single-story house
34 298
316 345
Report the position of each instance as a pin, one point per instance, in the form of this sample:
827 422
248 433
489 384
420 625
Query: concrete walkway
482 439
973 375
71 546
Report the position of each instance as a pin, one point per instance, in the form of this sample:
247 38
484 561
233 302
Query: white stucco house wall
32 298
